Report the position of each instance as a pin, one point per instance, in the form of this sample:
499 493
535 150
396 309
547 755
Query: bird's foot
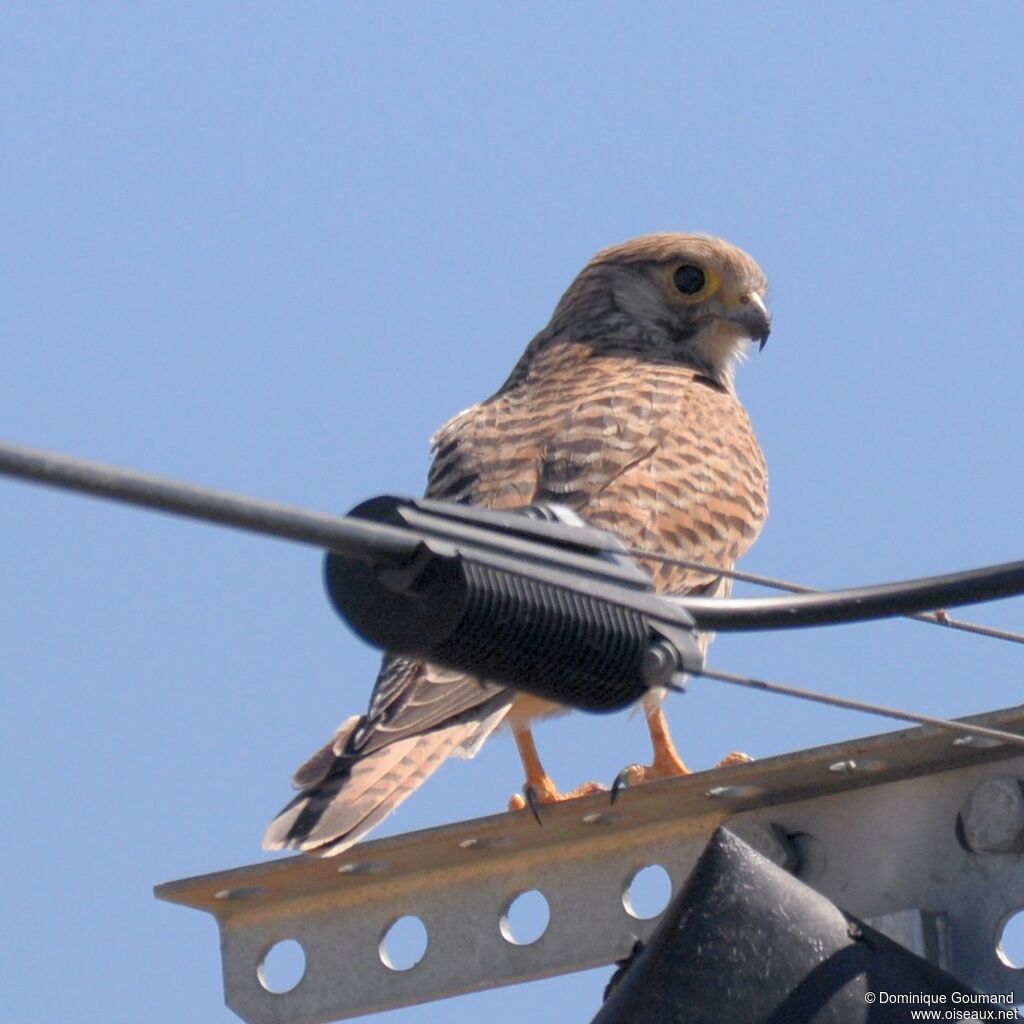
636 774
666 768
736 757
535 796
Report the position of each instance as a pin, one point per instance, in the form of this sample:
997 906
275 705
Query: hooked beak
751 314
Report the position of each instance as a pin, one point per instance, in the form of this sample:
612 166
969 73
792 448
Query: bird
624 409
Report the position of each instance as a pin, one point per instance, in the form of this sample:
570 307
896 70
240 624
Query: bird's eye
689 279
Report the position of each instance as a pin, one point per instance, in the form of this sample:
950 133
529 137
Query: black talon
533 803
619 783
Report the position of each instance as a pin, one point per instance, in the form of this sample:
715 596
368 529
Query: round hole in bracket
647 892
283 966
1010 940
525 918
403 944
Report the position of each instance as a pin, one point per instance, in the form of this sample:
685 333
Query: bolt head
992 817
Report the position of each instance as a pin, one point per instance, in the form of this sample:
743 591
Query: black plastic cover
551 641
745 942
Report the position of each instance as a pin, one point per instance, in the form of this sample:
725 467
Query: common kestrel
624 409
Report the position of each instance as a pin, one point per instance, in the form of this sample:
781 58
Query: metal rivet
485 842
248 893
369 867
979 742
734 792
867 764
601 818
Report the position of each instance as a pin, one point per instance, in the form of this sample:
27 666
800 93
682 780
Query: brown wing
419 714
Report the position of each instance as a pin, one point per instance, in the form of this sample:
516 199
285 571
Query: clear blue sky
271 247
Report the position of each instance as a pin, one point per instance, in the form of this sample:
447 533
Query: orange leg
538 782
667 763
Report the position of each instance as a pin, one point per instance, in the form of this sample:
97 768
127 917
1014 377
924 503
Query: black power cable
374 543
381 544
538 601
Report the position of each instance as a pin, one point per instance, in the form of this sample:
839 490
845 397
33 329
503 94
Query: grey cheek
682 334
640 298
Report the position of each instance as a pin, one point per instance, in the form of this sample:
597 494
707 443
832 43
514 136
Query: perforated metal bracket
877 825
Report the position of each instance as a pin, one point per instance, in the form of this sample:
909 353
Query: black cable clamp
534 598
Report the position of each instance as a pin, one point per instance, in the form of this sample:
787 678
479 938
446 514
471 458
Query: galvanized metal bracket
919 833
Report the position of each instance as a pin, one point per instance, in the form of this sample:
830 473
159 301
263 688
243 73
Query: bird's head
691 299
